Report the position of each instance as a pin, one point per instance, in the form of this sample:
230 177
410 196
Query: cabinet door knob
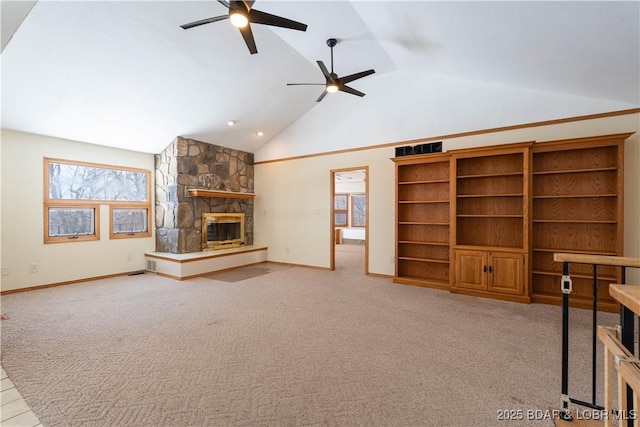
484 269
490 269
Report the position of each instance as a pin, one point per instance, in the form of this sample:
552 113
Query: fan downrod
331 43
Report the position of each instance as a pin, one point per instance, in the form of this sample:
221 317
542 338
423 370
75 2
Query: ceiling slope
410 104
124 74
13 13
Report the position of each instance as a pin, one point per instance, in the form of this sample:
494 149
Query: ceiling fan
241 15
333 82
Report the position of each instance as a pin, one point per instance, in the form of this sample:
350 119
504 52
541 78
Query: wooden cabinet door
471 269
506 273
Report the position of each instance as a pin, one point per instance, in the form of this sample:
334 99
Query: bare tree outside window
75 190
71 222
350 210
340 210
80 182
129 220
358 210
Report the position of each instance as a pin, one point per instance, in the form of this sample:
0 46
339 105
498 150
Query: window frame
94 204
352 210
66 239
348 211
344 211
131 235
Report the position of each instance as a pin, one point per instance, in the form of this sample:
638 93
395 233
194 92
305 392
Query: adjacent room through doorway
349 213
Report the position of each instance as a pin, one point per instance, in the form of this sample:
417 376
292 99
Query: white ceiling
350 176
124 74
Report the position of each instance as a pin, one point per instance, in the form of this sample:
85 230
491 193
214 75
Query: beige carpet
286 347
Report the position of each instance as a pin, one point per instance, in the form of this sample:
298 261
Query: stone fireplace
187 164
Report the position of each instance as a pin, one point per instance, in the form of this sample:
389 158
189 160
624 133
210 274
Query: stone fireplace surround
188 164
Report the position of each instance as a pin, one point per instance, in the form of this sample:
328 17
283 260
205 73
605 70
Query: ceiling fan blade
224 3
248 3
306 84
356 76
247 35
324 71
258 17
350 90
322 95
204 21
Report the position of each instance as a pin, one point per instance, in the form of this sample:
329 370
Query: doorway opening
350 219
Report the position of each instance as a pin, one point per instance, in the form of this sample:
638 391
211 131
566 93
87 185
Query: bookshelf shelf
423 220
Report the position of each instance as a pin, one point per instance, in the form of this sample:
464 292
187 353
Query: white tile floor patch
14 411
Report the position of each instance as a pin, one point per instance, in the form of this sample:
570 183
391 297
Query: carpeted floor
286 347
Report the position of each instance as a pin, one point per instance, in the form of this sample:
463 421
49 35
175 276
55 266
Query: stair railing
627 321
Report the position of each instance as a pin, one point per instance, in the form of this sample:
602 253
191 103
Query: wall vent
151 266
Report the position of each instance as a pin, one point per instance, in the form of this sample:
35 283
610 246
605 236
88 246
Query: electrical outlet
33 267
5 271
129 258
393 259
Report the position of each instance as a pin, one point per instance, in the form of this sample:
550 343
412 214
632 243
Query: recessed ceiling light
231 122
259 133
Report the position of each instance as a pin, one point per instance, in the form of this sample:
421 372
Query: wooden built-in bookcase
423 223
490 239
487 221
577 208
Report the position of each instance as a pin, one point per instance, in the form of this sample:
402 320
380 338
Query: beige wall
22 216
1 209
292 207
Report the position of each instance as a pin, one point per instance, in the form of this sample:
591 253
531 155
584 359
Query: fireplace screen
222 230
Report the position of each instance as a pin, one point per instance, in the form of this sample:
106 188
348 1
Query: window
340 210
358 210
74 192
129 222
350 210
73 223
69 181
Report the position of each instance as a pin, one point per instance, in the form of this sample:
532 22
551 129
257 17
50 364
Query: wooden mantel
199 192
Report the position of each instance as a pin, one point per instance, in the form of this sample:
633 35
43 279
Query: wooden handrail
623 359
627 295
597 259
628 374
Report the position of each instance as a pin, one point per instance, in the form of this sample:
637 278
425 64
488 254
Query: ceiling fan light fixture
332 88
333 82
238 19
241 13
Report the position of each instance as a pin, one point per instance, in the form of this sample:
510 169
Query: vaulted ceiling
124 74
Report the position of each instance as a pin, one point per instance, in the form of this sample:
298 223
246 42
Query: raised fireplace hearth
222 231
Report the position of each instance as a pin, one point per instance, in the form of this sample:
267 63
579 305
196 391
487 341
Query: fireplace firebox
222 230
